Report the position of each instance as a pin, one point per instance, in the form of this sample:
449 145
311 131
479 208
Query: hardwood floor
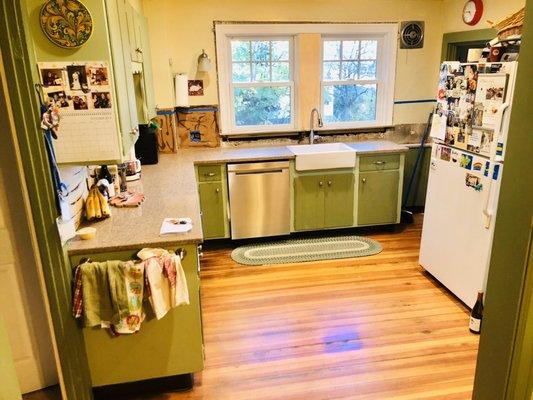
368 328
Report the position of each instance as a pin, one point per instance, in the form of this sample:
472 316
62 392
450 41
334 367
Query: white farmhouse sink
323 156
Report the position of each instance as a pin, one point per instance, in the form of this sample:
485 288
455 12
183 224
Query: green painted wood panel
170 346
19 62
209 173
506 285
378 197
213 206
147 70
417 197
339 200
9 384
309 199
379 162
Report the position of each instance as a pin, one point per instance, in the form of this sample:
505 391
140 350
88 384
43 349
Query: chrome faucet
312 136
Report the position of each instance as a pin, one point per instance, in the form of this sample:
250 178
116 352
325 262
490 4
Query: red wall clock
472 12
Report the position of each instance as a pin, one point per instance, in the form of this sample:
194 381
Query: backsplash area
401 134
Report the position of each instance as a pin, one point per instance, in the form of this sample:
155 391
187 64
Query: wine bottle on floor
477 314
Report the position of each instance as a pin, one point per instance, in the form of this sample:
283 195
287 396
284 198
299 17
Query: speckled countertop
171 191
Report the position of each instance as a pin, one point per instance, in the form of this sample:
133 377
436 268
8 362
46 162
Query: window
261 84
268 81
349 80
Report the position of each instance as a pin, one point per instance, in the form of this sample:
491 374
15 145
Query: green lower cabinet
170 346
339 200
308 202
378 197
213 206
323 201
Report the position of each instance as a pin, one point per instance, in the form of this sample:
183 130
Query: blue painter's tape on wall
415 101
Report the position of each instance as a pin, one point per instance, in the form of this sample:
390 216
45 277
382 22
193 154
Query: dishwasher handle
261 171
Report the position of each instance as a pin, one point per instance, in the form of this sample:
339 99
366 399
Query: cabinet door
339 200
308 202
378 197
213 207
147 70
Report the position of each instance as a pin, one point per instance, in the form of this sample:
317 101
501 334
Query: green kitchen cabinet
309 212
170 346
378 197
212 190
323 201
213 207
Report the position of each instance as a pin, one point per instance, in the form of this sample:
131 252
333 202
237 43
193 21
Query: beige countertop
171 191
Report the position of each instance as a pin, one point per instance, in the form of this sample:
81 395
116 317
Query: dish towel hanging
166 284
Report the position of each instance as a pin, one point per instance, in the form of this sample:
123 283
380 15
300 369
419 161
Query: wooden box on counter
167 134
198 127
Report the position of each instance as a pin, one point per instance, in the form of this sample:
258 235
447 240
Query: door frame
19 64
452 40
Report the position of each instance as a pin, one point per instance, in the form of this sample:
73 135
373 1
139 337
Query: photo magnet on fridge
454 156
445 153
466 161
473 181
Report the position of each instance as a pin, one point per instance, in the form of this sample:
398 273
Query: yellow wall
493 10
179 30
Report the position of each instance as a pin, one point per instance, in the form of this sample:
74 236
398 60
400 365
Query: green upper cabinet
323 201
212 189
378 197
339 200
308 202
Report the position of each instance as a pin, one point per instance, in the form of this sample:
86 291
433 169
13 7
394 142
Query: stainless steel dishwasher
259 197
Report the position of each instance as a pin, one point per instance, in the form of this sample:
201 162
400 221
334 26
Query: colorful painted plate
67 23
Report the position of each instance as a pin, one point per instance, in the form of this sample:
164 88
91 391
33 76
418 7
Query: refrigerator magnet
496 172
454 156
486 170
445 154
466 161
474 182
477 164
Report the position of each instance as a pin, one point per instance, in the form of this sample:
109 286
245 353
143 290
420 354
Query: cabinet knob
363 180
139 50
217 190
329 183
380 162
211 174
320 183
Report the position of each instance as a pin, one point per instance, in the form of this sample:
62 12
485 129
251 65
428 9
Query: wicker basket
510 25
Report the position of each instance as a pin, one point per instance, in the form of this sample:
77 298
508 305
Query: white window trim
385 32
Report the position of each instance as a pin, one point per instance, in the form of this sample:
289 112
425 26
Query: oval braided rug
301 250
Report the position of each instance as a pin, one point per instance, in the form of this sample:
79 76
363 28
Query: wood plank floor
369 328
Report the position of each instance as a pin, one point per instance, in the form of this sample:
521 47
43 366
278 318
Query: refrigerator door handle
487 210
499 119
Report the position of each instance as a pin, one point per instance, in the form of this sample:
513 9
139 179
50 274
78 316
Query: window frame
232 85
387 32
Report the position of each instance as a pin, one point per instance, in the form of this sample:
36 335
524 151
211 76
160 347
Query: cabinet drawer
209 173
379 162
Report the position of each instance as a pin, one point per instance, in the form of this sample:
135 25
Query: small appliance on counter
146 145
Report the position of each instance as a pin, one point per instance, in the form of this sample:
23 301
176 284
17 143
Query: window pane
349 70
280 71
261 50
367 70
260 72
240 50
280 50
350 50
369 50
241 72
332 50
344 103
262 106
331 71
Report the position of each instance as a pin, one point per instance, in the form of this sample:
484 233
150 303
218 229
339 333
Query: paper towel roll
182 90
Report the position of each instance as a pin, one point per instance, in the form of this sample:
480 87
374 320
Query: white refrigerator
469 132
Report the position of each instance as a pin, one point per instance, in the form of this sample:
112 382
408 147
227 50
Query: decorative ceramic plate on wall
67 23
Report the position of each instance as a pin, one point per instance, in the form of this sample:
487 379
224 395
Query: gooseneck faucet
312 131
